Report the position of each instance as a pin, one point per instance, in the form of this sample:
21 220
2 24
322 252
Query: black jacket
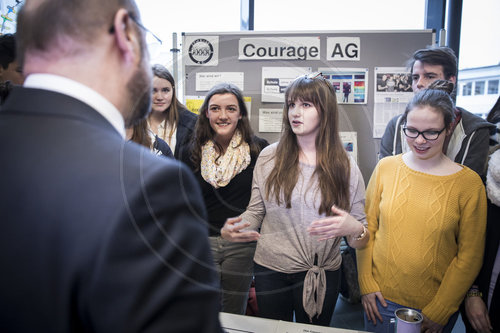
98 234
228 201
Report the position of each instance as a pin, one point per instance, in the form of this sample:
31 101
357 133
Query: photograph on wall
350 142
350 84
392 92
275 80
9 10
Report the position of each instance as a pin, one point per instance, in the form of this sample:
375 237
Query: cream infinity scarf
235 159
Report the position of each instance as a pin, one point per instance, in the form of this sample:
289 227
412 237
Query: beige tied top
285 245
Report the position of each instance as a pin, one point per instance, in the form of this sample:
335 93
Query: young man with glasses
98 234
468 142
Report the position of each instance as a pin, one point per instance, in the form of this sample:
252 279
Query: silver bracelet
363 234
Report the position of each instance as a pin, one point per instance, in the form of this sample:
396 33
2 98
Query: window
395 14
493 87
467 89
479 88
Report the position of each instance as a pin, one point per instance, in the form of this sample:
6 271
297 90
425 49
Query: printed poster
350 142
193 103
392 92
275 80
270 120
206 80
350 84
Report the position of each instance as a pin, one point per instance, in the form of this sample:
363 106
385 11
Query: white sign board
279 48
343 48
206 80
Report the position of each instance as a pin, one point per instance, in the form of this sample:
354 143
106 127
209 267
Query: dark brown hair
438 55
494 114
140 134
332 162
203 132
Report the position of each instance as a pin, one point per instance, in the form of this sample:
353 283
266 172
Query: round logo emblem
201 51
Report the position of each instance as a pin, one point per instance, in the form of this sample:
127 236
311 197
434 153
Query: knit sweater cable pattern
426 237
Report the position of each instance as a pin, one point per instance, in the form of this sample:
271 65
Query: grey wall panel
377 49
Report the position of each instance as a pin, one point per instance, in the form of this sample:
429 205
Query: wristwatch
474 292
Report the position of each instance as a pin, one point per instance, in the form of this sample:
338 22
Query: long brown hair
332 162
203 132
172 111
140 134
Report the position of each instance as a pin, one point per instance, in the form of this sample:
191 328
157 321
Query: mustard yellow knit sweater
426 237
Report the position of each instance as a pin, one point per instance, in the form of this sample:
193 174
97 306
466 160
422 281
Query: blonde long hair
332 162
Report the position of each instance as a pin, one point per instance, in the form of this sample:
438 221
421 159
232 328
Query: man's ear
125 35
453 79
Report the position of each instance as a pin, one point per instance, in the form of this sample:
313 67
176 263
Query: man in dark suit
97 234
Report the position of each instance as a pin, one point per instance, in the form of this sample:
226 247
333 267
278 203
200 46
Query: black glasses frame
422 133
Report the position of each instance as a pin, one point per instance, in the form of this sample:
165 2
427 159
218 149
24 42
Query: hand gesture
338 225
478 314
370 306
233 231
428 326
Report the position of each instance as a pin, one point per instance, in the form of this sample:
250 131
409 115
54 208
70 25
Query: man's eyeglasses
427 135
152 41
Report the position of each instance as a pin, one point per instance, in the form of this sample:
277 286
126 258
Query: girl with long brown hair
222 156
141 134
307 194
169 119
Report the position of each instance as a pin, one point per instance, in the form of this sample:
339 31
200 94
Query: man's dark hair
494 114
443 56
46 25
7 49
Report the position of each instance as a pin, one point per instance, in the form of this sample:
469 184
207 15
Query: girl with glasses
307 194
426 216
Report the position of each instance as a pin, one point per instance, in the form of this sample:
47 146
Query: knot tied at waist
314 291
